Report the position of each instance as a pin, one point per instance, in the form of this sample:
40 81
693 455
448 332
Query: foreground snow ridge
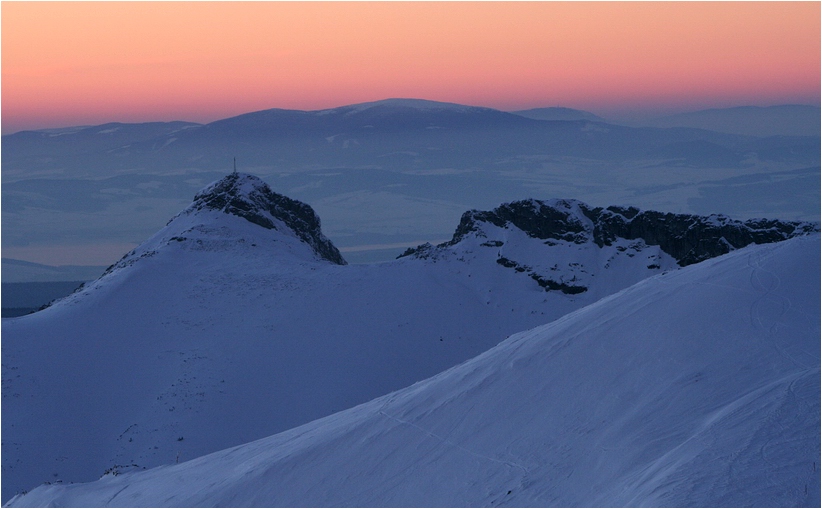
699 387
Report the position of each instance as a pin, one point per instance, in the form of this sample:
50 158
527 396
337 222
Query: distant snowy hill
240 319
557 113
699 387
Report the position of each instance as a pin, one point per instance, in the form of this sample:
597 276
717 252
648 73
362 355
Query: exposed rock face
547 283
558 220
249 197
687 238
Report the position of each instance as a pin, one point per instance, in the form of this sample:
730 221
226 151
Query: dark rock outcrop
687 238
543 220
547 283
690 238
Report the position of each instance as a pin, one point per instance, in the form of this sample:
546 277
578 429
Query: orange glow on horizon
73 63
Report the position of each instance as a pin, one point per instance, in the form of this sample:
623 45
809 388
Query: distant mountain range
404 134
240 319
783 120
20 271
786 120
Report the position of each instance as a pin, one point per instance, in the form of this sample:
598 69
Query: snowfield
240 320
699 387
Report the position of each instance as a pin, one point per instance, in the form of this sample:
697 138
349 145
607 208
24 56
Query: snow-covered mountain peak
416 104
240 215
248 197
233 186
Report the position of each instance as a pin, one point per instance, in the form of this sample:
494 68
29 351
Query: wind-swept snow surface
239 320
699 387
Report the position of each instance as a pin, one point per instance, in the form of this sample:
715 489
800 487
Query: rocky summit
687 238
252 199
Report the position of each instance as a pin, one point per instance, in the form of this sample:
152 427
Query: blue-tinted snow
699 387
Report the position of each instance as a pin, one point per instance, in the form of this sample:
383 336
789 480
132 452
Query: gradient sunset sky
69 63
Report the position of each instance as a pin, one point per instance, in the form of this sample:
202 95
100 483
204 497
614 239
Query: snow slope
699 387
238 320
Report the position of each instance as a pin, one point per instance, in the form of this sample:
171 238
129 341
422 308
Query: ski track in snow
124 488
453 444
655 474
767 285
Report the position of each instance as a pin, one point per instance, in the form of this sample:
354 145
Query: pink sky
67 63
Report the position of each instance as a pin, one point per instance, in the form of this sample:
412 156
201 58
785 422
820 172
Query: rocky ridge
687 238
